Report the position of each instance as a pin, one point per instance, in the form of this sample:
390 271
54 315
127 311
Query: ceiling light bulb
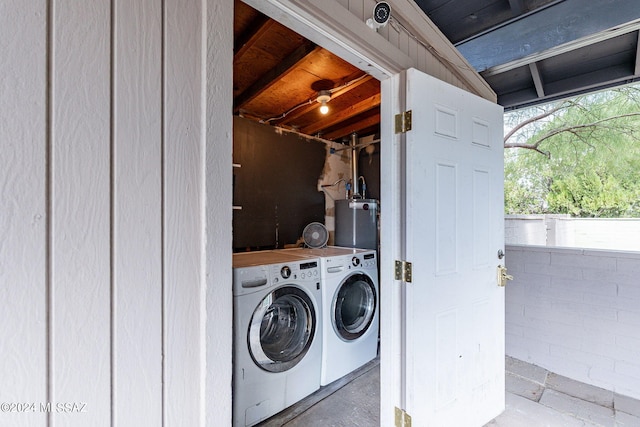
323 97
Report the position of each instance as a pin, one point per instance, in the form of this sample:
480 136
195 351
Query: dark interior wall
276 185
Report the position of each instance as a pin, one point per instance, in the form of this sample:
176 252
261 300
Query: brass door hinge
403 271
403 122
402 418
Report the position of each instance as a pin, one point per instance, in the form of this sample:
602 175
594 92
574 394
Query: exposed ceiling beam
343 114
560 23
351 86
353 127
275 74
592 79
572 86
537 79
261 26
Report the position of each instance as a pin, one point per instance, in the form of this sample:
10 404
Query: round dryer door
354 306
282 328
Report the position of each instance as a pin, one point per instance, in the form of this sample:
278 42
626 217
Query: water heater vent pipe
354 164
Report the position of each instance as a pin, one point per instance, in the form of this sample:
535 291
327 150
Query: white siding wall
577 313
115 167
137 221
24 270
80 208
217 298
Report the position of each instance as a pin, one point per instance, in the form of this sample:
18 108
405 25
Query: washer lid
315 235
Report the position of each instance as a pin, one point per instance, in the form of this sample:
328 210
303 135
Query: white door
452 208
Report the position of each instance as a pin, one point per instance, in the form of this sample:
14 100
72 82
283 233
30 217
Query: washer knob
355 261
285 272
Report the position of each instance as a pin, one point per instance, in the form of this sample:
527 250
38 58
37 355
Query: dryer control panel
364 260
369 260
338 264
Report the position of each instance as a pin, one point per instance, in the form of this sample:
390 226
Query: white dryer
277 305
350 301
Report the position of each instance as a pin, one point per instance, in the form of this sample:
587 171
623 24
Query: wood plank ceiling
278 74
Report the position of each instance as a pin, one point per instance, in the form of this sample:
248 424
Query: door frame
326 24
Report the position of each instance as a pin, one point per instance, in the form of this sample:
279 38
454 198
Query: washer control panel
307 270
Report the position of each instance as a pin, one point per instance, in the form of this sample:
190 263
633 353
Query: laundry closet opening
291 162
304 181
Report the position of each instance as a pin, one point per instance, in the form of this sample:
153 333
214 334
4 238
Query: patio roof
535 51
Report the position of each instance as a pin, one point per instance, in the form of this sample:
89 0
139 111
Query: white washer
350 304
277 305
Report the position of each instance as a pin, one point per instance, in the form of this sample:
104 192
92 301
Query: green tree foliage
581 157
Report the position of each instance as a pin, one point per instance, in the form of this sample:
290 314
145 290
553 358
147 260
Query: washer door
282 328
354 306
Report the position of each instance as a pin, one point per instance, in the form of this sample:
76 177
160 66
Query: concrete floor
535 398
348 402
539 398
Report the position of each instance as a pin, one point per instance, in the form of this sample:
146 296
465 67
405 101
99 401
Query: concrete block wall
576 312
622 234
525 229
602 233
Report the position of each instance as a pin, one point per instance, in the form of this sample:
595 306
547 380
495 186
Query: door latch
503 277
